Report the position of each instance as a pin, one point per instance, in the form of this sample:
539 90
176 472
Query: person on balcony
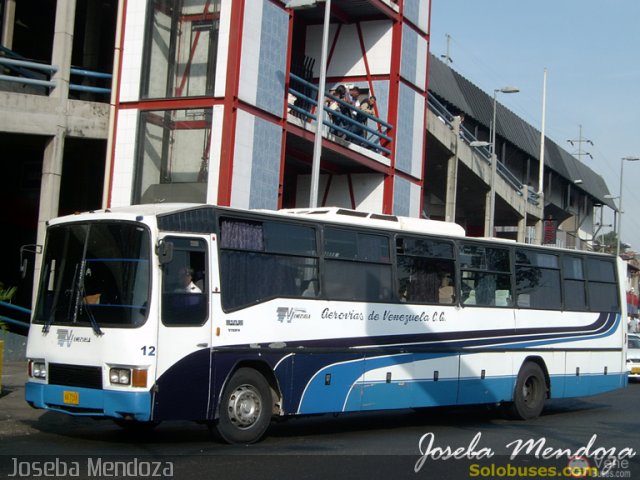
367 107
342 107
355 97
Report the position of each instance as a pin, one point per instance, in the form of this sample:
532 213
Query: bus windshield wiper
80 301
54 307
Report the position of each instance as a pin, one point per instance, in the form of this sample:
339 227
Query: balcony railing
441 111
371 134
27 72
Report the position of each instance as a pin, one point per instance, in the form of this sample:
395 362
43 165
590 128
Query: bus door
184 335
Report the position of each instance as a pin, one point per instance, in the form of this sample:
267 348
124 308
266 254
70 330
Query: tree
608 243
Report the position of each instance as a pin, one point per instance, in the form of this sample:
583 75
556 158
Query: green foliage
608 243
6 294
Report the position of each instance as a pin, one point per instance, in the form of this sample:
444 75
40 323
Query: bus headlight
120 376
38 369
136 377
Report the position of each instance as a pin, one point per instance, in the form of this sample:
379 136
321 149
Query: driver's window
184 283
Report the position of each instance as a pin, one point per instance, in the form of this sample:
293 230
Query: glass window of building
172 160
181 44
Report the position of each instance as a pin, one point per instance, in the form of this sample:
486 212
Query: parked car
633 356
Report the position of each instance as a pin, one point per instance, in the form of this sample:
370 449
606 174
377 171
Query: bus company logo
289 314
66 338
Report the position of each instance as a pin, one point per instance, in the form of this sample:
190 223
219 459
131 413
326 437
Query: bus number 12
149 351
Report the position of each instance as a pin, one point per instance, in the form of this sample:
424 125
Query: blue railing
90 74
441 111
20 327
337 121
28 72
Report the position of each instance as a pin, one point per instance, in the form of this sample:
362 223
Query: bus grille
75 375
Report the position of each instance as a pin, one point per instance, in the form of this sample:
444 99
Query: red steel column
230 103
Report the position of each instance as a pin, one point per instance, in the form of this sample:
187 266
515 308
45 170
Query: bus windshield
95 274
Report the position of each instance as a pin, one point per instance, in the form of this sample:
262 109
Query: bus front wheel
245 408
530 392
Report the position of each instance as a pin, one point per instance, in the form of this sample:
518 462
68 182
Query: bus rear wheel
530 392
245 408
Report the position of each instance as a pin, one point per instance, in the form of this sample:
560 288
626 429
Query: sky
591 50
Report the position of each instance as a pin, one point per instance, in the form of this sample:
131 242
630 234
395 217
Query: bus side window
426 270
486 275
184 299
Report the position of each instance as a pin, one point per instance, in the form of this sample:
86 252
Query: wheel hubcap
245 406
529 390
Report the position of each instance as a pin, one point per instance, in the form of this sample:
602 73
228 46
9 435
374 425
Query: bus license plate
635 370
71 398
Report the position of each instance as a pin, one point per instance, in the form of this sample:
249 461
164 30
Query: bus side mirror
24 263
164 250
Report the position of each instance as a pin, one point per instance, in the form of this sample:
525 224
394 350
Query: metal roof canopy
456 90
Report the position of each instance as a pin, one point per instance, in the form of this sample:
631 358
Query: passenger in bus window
186 281
446 293
92 288
311 290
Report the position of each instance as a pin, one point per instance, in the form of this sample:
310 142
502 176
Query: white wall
368 191
347 59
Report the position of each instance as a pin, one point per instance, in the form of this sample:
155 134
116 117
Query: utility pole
580 140
447 58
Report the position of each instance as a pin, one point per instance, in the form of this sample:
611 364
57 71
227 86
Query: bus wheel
245 408
530 392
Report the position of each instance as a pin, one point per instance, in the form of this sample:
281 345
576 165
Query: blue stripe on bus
409 394
342 393
346 391
609 328
567 386
92 402
427 393
605 325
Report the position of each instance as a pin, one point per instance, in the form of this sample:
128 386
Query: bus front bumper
89 402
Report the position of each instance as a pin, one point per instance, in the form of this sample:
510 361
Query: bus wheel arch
531 389
246 405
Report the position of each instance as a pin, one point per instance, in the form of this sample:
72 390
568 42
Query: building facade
217 99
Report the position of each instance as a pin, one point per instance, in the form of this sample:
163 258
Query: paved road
349 446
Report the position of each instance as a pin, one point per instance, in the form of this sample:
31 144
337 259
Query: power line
580 140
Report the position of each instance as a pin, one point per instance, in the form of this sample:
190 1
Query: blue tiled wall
381 88
273 61
404 129
265 171
417 11
401 197
409 60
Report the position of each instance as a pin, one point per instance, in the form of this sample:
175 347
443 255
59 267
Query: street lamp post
317 143
622 160
494 160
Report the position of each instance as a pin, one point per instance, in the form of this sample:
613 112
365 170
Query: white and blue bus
232 317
